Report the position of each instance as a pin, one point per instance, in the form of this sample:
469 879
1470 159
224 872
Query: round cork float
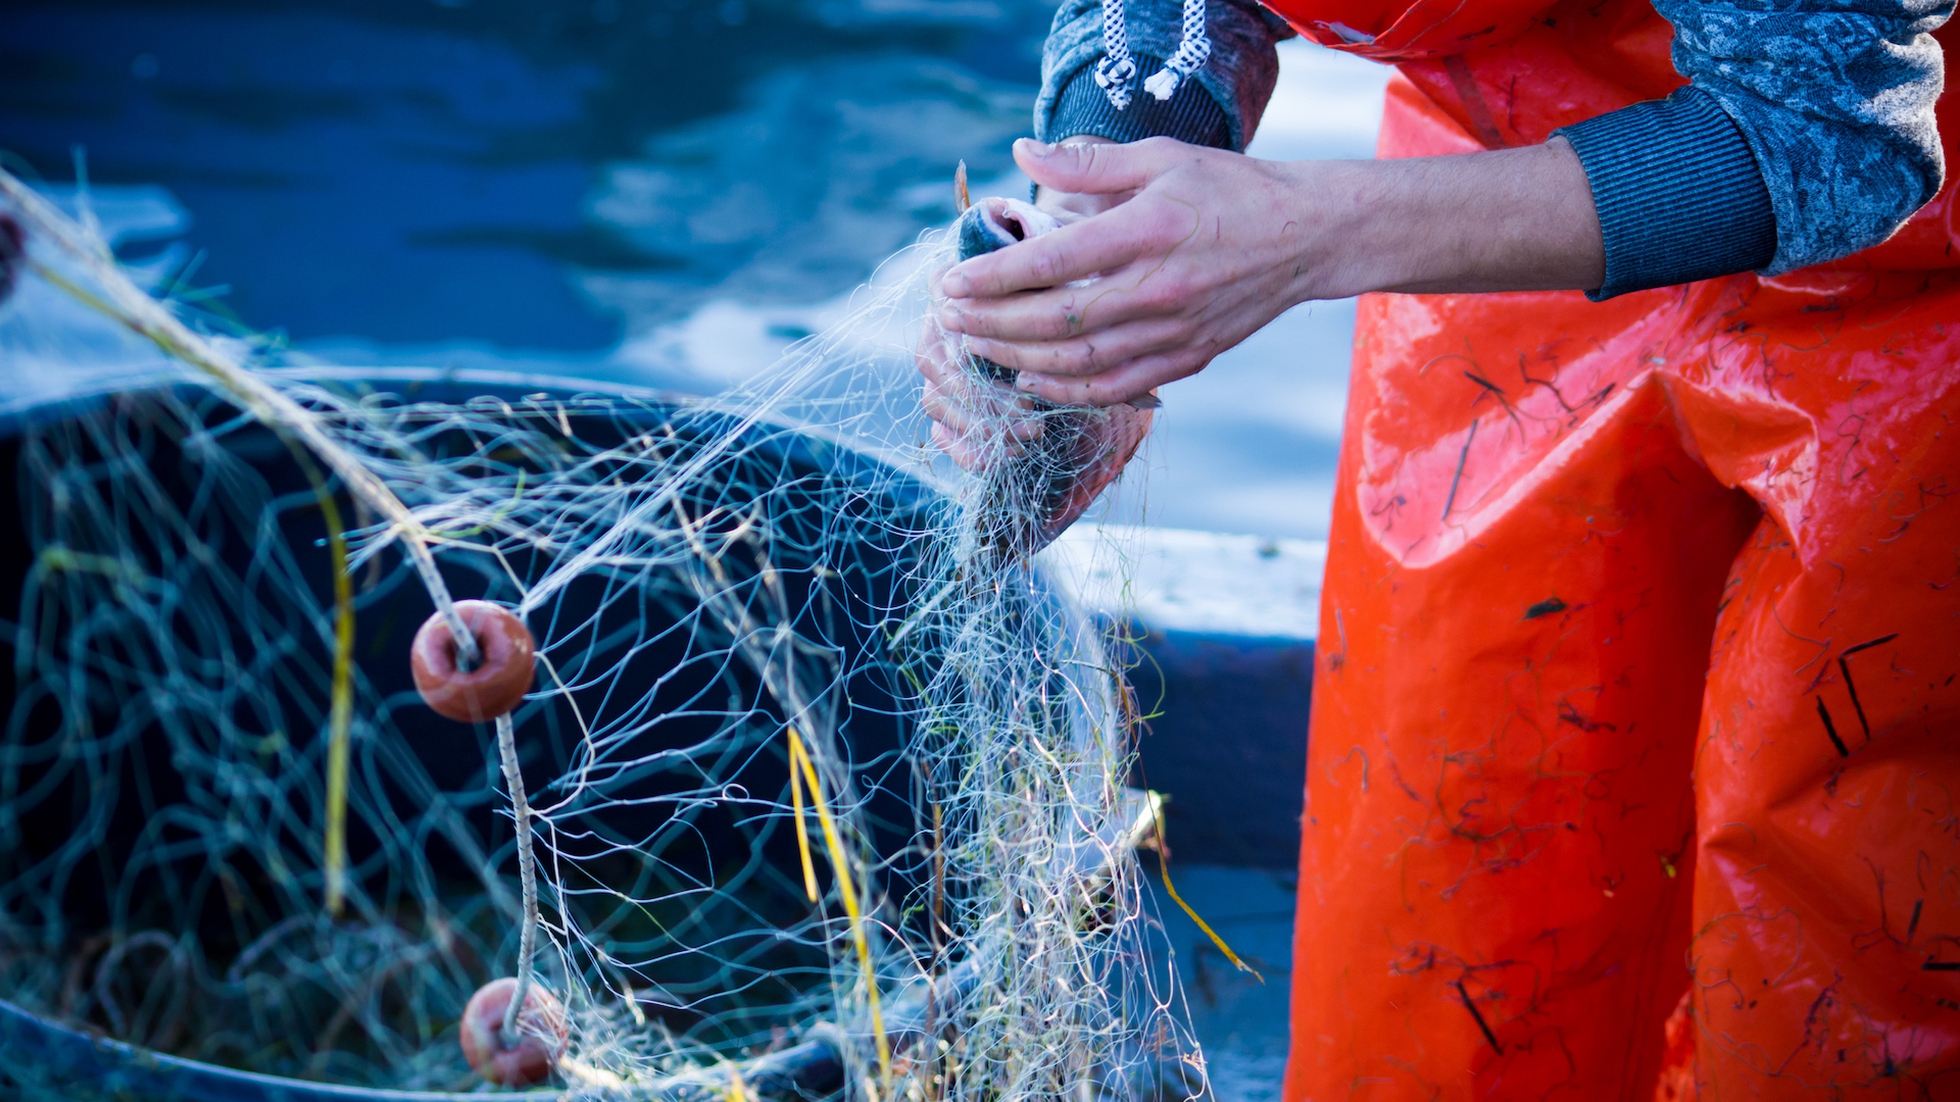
498 681
541 1034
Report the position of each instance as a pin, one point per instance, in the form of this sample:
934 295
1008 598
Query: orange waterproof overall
1635 755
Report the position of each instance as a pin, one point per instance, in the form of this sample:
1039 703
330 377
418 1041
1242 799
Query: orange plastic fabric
1634 770
1637 678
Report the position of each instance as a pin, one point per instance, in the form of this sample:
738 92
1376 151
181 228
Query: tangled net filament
827 784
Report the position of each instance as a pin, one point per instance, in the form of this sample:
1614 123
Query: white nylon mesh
703 579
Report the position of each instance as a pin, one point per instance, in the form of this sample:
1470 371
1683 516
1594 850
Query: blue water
431 174
669 192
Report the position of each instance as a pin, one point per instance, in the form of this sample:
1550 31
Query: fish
995 224
1082 449
999 222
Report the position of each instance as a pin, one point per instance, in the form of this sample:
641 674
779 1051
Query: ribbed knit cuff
1190 115
1679 194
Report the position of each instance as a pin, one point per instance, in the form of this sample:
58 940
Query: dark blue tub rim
115 1066
455 385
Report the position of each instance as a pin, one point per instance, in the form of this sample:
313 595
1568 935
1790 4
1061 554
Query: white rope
1192 53
1117 67
527 935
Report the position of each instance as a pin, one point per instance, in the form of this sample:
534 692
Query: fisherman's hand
967 411
1074 206
976 421
1197 250
1205 247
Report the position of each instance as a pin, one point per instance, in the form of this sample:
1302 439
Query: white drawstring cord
1117 67
1192 53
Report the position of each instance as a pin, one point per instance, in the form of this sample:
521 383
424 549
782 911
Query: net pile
826 788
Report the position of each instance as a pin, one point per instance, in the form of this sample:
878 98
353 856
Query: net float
495 685
525 1058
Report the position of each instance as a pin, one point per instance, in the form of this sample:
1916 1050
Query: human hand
1205 247
976 421
1074 206
1180 264
979 420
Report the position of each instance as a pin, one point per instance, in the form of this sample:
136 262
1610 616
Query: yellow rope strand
340 716
1164 866
340 720
845 889
796 801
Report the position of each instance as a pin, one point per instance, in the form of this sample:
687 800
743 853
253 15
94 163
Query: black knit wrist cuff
1679 194
1190 115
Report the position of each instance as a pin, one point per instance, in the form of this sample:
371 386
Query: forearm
1207 247
1509 220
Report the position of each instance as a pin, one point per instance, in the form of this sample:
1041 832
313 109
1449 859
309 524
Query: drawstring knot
1117 67
1113 74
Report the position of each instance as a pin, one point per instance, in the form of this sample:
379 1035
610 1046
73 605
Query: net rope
827 786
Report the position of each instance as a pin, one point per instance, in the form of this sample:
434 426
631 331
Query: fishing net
819 788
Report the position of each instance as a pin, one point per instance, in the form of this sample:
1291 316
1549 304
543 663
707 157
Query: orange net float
524 1058
497 683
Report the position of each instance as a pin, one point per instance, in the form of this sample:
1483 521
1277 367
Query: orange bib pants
1634 768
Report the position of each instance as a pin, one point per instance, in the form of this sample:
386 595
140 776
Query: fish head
996 222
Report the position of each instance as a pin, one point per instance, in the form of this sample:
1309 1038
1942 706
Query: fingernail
1035 148
953 284
951 320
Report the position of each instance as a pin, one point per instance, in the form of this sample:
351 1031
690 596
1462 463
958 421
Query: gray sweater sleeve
1219 107
1806 135
1678 192
1835 98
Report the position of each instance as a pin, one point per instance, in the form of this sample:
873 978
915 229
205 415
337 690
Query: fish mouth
1009 222
995 223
